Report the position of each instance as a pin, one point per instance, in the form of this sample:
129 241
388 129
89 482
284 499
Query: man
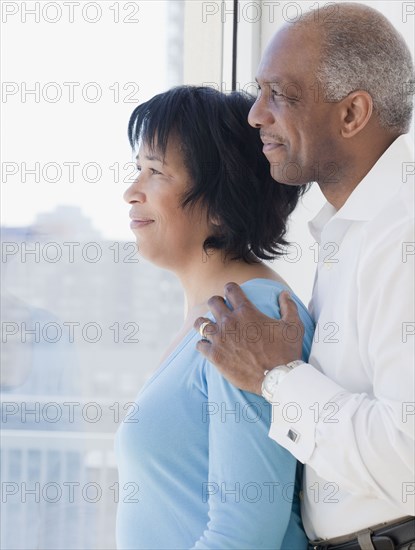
334 103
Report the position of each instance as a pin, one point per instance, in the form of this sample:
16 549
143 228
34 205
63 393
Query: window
84 317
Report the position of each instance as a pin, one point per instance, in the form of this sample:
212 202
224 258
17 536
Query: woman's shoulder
262 289
263 293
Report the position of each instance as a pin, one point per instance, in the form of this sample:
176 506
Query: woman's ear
355 111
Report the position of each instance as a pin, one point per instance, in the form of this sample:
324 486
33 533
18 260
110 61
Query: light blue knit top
196 466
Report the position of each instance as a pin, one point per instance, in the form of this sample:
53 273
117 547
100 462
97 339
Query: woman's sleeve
251 478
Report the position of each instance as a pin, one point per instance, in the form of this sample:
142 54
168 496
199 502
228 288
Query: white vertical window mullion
250 16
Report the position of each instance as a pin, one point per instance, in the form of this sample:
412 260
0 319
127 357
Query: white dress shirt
349 414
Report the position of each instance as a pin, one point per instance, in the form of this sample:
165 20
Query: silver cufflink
293 435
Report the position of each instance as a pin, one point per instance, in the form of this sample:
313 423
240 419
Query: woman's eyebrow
152 157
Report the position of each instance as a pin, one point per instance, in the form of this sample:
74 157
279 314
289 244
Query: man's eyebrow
275 80
269 81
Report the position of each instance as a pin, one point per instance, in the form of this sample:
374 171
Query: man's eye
278 94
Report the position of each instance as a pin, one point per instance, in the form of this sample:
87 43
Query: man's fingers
199 321
209 330
288 308
205 348
235 295
211 352
289 315
218 307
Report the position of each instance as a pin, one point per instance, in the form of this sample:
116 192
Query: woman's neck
208 275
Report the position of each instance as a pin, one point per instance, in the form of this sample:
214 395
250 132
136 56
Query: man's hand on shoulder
243 343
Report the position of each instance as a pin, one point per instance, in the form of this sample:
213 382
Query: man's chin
290 174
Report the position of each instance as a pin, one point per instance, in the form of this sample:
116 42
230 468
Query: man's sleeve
364 443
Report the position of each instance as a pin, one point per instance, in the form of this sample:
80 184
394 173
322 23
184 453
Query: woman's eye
153 171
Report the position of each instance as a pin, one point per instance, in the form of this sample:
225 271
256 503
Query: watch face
274 377
271 380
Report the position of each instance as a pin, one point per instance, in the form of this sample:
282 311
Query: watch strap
290 366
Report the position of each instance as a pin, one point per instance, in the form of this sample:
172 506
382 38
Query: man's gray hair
362 50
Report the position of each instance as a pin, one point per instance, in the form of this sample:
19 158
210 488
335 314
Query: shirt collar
373 193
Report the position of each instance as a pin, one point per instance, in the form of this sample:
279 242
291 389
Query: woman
204 206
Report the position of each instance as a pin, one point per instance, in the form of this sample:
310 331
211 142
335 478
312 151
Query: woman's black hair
229 172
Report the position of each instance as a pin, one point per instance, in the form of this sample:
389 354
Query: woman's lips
138 224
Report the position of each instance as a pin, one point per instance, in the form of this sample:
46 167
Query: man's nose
260 114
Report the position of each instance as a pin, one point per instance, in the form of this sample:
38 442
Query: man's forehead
273 71
289 57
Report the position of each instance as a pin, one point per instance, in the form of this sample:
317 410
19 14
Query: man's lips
270 143
271 146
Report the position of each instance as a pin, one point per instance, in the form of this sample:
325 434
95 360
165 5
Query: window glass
85 319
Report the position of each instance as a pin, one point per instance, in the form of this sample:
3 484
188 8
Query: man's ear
355 111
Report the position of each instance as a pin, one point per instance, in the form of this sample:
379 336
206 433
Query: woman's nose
134 193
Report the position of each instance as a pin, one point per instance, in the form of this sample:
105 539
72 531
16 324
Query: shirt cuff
301 401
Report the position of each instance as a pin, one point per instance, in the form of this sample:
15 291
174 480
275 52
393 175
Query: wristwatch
274 376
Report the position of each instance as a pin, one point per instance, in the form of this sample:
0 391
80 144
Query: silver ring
202 329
